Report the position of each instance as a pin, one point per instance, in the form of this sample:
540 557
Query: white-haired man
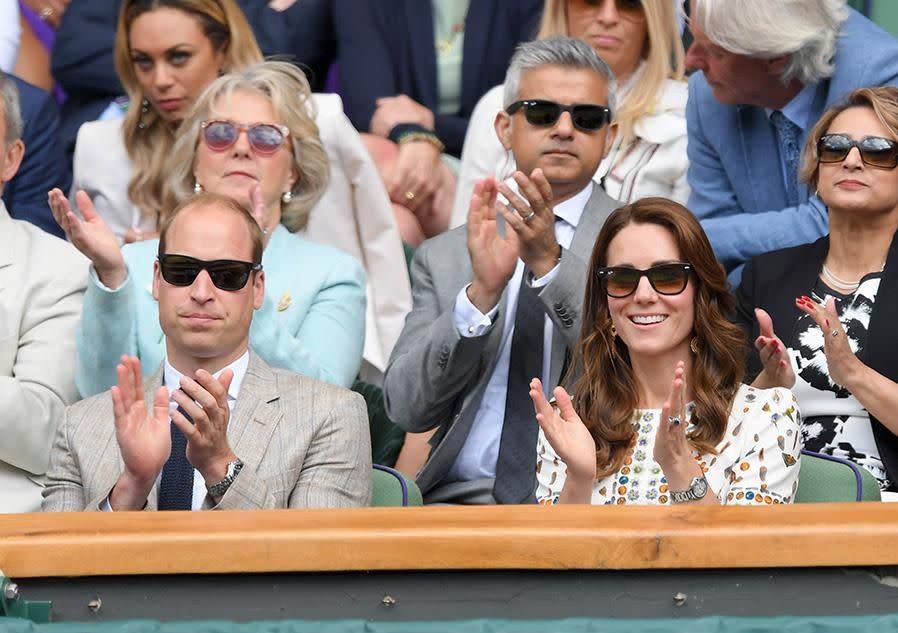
769 69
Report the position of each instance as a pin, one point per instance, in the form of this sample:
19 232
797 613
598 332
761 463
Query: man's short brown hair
220 202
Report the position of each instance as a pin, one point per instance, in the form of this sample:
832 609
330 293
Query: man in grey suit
498 301
214 427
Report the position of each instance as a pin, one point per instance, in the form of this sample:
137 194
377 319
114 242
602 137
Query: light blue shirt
798 111
477 458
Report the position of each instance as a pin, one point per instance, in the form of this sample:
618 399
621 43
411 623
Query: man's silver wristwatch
218 490
696 490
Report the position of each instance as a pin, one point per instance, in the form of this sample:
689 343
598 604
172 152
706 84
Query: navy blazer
386 48
772 281
44 165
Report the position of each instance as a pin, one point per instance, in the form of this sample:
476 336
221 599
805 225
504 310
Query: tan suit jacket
354 215
42 282
304 443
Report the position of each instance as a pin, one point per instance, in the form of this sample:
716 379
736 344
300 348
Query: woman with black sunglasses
658 412
250 136
834 302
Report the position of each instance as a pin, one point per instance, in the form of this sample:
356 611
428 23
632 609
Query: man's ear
157 276
259 289
776 65
610 135
15 151
502 124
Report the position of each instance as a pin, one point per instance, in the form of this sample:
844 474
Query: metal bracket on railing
12 606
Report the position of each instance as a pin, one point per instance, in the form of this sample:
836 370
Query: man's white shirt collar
172 376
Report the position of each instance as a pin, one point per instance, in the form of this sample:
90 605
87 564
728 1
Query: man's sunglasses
875 150
226 274
666 279
586 117
630 9
264 138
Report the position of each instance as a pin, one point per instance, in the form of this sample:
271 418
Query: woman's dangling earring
611 329
197 187
287 196
144 110
693 345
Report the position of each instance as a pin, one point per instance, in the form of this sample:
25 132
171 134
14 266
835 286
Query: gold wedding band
409 196
46 13
529 217
834 333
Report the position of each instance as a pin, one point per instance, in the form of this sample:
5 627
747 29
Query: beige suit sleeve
42 380
64 490
336 471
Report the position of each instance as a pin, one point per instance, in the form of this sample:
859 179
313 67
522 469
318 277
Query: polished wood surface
447 538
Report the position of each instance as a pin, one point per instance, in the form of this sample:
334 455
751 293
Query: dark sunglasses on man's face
586 116
226 274
875 150
666 279
264 138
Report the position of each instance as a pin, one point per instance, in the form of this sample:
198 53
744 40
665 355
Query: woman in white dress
657 381
641 42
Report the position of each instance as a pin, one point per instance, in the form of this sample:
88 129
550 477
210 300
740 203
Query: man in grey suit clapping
497 302
214 427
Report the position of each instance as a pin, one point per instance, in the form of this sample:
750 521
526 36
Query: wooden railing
447 538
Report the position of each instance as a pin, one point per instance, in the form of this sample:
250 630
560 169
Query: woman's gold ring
46 13
409 196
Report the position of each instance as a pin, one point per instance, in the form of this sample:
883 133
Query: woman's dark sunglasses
264 138
586 117
666 279
226 274
632 9
875 150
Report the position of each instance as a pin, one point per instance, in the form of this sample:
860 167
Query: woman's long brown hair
603 383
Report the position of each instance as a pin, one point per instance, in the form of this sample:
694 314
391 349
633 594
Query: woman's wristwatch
696 490
218 490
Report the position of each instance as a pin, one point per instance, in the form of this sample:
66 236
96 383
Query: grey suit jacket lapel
597 209
257 413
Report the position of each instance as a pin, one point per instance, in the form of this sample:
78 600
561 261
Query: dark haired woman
657 381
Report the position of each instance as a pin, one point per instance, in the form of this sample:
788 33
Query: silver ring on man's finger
834 333
674 420
529 217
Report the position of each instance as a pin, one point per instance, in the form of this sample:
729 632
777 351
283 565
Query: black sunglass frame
216 268
574 110
605 275
891 149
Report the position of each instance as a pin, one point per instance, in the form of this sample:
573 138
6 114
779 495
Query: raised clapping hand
91 235
840 358
672 450
493 257
260 212
143 436
205 399
570 439
532 220
776 368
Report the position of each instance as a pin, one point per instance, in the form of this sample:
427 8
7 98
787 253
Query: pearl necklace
841 284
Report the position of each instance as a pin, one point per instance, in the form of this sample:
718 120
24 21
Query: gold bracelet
427 137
